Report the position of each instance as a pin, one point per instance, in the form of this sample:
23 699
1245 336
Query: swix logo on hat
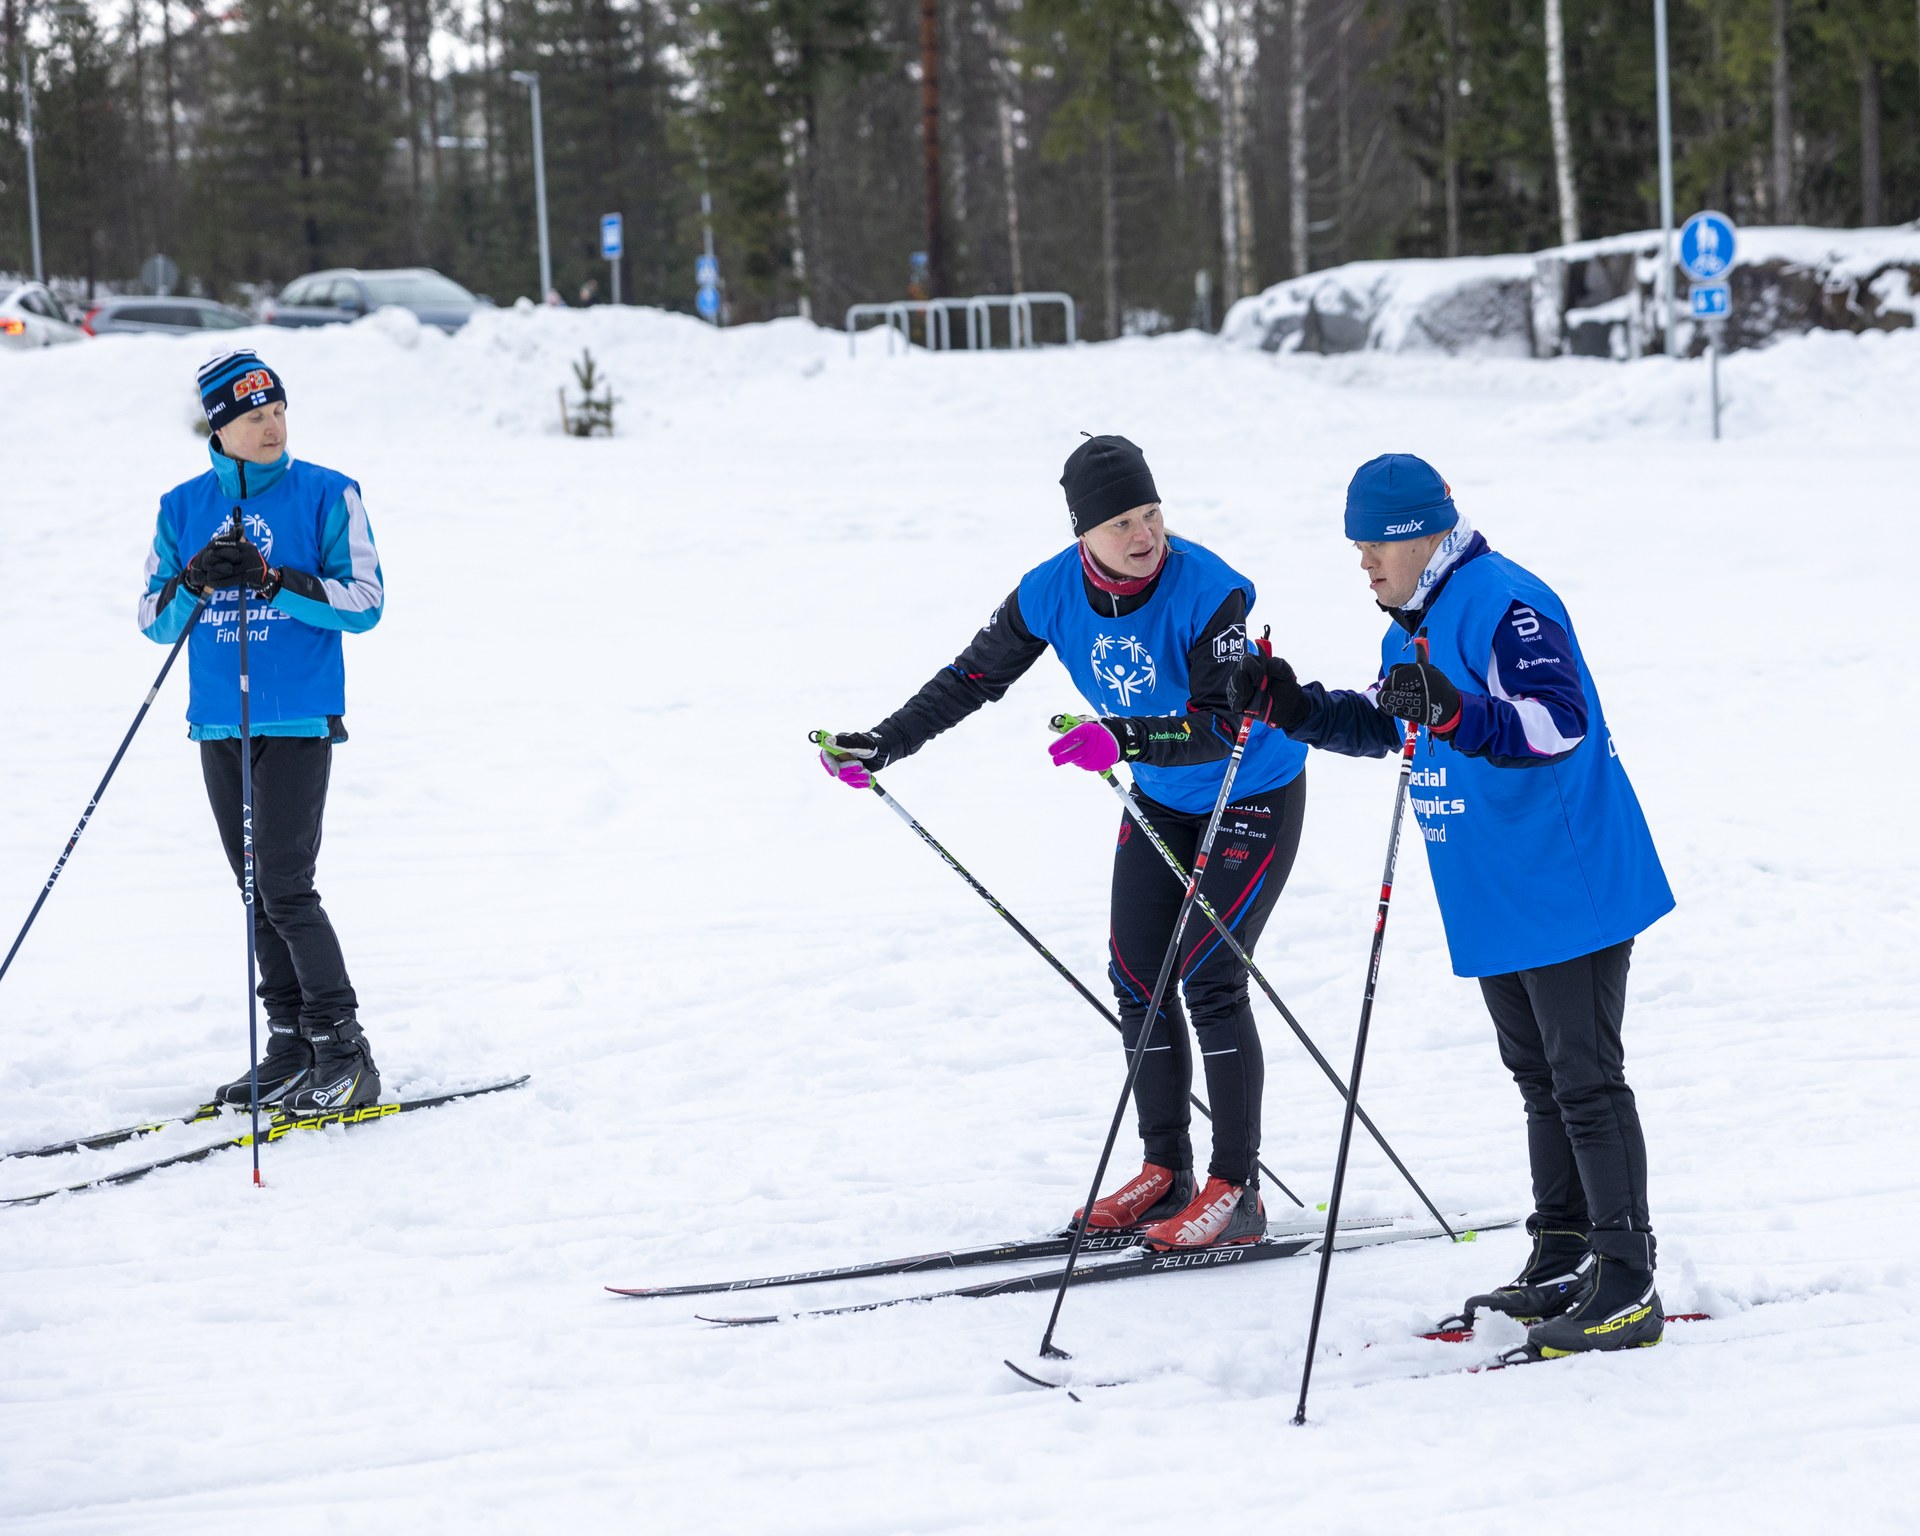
257 382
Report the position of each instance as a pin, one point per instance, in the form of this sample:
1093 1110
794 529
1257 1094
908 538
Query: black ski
280 1125
1134 1266
1018 1250
208 1111
1459 1329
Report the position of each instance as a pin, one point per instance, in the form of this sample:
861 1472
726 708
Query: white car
30 316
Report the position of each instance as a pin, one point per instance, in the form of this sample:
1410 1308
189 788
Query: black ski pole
94 804
1359 1059
1066 723
819 739
1139 1052
237 531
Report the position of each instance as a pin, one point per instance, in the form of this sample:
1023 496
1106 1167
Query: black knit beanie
1106 476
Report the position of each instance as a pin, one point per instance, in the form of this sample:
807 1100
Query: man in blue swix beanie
1542 863
308 572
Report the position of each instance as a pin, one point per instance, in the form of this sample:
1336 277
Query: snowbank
1596 298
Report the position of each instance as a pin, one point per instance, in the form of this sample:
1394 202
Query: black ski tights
302 973
1252 857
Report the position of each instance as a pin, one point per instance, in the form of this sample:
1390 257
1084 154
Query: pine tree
1125 63
294 175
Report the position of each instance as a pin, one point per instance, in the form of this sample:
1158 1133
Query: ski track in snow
578 832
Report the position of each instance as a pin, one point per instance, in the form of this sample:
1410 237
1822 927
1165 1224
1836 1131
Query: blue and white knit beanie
1398 496
235 383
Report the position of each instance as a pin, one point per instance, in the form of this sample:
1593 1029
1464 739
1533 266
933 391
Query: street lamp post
530 78
1665 104
33 185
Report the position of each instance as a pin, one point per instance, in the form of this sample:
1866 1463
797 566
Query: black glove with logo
230 563
1415 691
1266 686
852 757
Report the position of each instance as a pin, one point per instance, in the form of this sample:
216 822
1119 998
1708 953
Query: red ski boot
1222 1215
1149 1195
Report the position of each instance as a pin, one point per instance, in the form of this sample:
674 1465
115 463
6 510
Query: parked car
134 313
331 298
30 316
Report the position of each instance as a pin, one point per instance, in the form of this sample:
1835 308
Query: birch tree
1562 135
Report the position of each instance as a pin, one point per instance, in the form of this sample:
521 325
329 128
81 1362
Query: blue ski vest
295 669
1137 665
1531 865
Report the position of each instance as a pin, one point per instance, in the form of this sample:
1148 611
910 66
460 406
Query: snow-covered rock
1596 298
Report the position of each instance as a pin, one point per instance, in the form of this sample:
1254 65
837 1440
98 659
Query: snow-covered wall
1596 298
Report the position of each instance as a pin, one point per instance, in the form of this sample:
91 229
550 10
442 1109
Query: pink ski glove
1089 745
850 756
847 771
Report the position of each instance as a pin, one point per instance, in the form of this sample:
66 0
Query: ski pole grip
1062 723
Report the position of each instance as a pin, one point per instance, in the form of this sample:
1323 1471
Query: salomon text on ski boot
343 1074
284 1068
1154 1192
1220 1216
1618 1309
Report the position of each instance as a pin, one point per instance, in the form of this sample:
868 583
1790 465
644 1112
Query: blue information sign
610 236
1710 301
1706 247
707 301
706 272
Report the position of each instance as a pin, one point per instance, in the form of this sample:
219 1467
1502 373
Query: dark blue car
343 294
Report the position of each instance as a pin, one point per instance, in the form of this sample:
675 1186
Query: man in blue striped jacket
1542 865
305 571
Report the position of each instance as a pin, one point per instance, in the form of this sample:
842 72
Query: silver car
334 297
30 316
134 313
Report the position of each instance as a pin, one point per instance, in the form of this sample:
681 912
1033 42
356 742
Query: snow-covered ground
578 833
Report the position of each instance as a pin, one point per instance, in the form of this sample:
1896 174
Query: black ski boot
1555 1279
283 1069
1620 1309
343 1074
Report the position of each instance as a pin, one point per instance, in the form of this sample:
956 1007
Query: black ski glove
1416 691
1266 686
863 747
229 563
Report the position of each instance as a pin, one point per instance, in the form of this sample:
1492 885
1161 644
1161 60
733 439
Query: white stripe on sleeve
363 592
1536 720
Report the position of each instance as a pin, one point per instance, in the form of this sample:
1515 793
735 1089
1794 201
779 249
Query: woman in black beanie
1151 628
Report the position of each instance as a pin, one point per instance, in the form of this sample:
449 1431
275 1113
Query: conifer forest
1154 158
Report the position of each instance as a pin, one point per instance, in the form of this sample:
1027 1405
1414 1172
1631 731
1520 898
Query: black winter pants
303 976
1252 857
1559 1033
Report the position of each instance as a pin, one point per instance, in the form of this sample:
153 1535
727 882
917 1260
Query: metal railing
936 316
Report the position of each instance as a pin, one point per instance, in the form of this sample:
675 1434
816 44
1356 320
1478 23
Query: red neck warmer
1112 584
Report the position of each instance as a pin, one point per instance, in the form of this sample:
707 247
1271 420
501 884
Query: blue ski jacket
1538 846
311 525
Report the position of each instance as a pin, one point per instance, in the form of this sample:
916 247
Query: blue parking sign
610 236
1706 247
706 272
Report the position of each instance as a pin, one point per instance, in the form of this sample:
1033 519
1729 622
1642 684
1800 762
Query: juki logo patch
1128 672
